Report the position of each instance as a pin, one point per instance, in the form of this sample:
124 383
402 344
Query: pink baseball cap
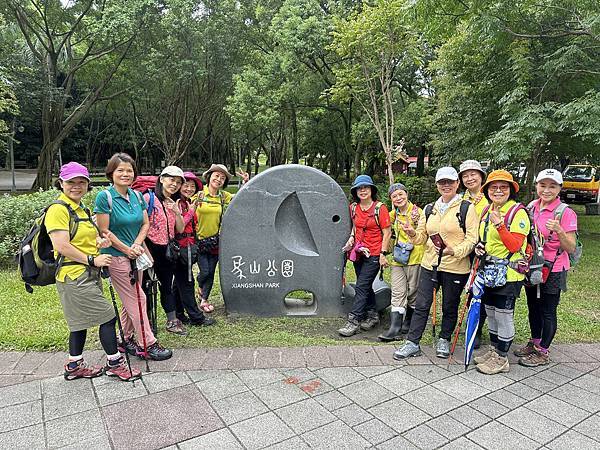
190 176
73 170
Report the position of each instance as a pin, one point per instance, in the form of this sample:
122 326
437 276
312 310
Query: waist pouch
495 273
402 251
209 244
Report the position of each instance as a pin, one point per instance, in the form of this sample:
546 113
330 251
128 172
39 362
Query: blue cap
362 180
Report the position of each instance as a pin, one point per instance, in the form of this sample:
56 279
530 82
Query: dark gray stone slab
292 358
301 216
316 357
242 358
9 380
268 357
24 438
341 356
261 431
217 359
165 408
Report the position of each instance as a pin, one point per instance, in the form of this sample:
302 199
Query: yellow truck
580 183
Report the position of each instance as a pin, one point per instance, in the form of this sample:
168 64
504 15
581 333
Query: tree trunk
358 154
421 152
295 152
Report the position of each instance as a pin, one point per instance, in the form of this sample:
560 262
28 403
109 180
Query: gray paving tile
577 397
316 357
386 355
20 393
425 438
261 431
335 435
182 411
70 429
20 416
217 358
207 374
571 440
489 407
280 394
366 393
373 371
448 427
9 380
399 414
295 443
495 435
57 386
491 383
222 386
24 438
30 361
239 407
557 410
256 378
523 391
590 427
268 357
427 374
111 390
397 443
339 376
432 401
566 371
298 375
535 426
292 357
588 382
333 400
161 381
97 442
553 377
222 438
341 356
352 415
506 398
242 358
305 416
365 355
375 431
460 388
315 387
9 360
462 443
65 405
469 416
541 384
518 372
398 381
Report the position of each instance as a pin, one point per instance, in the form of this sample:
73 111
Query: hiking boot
526 350
407 350
157 352
407 320
205 322
81 370
176 327
129 346
352 326
442 349
536 359
371 321
495 364
183 318
121 371
487 355
393 334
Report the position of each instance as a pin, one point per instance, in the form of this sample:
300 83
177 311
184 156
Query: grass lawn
35 322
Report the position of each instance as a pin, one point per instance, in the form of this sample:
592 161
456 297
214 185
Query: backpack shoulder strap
151 199
559 211
428 210
353 210
109 200
462 214
512 212
377 208
74 219
485 210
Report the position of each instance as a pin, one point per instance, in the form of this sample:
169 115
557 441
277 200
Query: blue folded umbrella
473 317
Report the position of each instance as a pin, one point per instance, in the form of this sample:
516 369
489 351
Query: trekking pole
106 274
135 281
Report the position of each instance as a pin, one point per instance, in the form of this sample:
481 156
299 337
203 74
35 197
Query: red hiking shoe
81 370
121 370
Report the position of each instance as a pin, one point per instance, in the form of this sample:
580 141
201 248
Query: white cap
173 171
446 173
550 174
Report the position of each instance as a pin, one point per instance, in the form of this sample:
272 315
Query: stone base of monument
383 295
592 209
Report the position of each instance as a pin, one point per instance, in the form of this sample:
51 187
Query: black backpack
37 265
461 215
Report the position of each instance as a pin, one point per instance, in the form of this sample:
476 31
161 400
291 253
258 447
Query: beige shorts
83 303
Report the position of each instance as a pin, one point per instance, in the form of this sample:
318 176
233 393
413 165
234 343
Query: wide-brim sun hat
73 170
217 168
471 164
446 173
190 176
360 181
500 175
173 171
550 174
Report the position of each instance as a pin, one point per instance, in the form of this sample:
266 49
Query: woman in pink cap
558 225
183 288
76 243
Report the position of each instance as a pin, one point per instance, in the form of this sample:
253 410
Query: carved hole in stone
335 219
292 227
300 303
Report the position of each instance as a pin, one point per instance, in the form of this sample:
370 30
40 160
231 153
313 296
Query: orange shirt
367 230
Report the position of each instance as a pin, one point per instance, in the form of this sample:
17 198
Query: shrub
17 213
421 190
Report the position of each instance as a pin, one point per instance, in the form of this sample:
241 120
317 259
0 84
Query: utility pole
11 151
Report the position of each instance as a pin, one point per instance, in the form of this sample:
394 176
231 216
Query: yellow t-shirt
209 213
479 201
416 255
494 245
58 219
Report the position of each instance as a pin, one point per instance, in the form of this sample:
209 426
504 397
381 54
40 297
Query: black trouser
164 269
543 319
185 297
208 265
364 297
452 285
108 339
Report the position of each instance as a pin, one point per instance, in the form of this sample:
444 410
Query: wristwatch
385 253
90 259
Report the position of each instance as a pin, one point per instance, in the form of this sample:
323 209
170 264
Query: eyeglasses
446 182
499 188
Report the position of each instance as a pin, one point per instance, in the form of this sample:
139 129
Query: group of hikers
484 231
176 224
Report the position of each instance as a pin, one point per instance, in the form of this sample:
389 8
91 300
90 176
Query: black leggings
543 319
164 270
108 339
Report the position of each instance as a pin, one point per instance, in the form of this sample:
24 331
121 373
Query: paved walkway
296 398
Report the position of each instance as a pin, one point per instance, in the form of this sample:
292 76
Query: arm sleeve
512 241
471 236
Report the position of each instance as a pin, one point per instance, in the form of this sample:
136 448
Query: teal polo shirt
126 217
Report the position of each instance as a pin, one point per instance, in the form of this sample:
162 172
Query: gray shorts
83 303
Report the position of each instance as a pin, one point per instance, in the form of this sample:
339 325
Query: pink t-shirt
568 222
158 222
